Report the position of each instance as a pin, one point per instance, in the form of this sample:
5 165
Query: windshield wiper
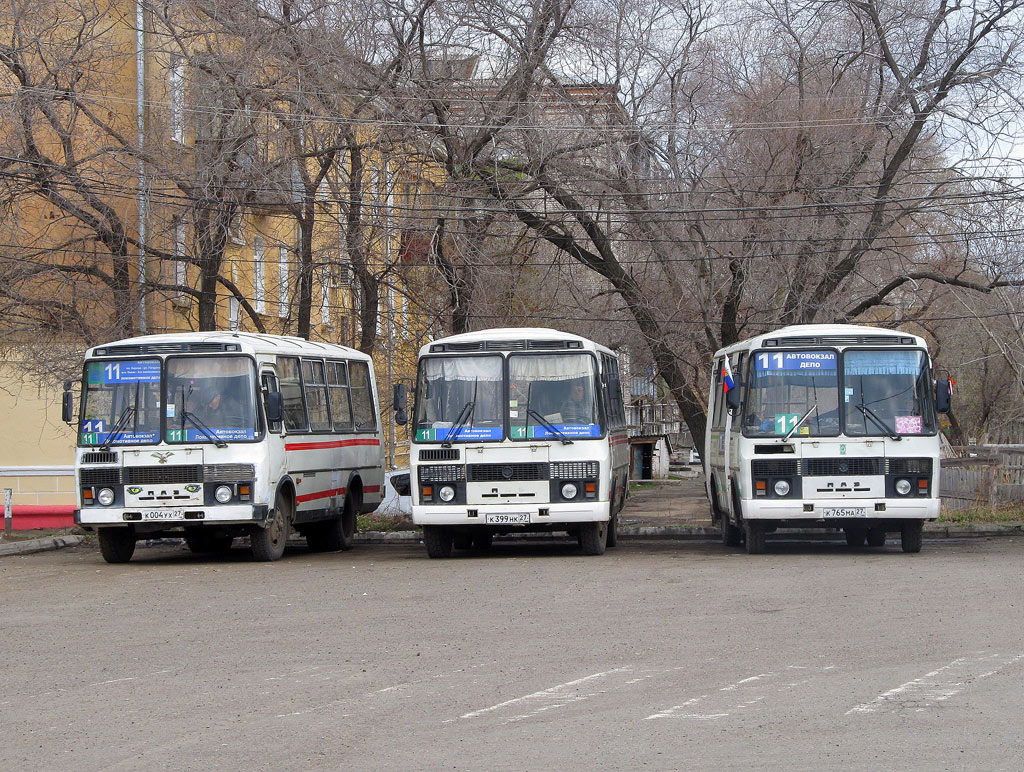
885 429
549 426
797 425
206 430
119 426
464 414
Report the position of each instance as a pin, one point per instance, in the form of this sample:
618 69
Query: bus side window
291 393
739 379
362 397
337 387
269 383
718 411
615 410
315 386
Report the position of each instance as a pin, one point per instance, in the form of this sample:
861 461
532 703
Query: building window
233 315
282 282
180 275
325 298
176 89
258 276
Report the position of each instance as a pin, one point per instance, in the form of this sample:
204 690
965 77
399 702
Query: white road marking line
553 697
129 678
722 702
939 685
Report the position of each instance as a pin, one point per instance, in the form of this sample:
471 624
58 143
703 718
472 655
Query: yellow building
154 193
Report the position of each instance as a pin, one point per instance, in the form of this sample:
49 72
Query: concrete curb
704 532
29 546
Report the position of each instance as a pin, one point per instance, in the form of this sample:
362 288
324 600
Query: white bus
215 435
830 426
519 429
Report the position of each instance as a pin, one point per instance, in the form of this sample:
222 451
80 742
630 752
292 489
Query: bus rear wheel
268 543
117 545
855 537
438 540
911 536
876 537
335 534
593 537
200 542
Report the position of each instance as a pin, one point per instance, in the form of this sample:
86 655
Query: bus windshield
459 398
793 390
121 403
552 396
887 392
210 399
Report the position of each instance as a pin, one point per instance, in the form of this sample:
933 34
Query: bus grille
228 472
573 470
502 472
783 467
908 465
162 475
99 457
440 473
100 477
827 467
439 454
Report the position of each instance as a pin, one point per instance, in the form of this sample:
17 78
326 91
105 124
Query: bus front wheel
756 537
268 543
593 537
438 540
117 545
911 536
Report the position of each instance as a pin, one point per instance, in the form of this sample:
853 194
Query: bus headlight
223 494
903 487
105 496
446 493
569 491
781 487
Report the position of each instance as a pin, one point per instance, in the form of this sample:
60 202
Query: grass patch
1004 514
375 522
640 486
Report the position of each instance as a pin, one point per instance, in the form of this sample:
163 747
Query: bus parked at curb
830 426
212 436
515 430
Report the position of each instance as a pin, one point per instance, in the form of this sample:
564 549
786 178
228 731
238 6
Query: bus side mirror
398 397
67 407
943 395
732 399
273 403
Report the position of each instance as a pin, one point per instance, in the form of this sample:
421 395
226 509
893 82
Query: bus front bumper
228 514
511 516
834 510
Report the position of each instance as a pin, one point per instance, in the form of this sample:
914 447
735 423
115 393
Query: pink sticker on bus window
908 424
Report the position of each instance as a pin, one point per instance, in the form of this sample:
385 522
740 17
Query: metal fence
986 476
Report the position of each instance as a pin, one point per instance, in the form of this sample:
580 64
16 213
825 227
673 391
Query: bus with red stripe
514 430
212 436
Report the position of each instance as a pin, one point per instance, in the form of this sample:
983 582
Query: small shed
649 457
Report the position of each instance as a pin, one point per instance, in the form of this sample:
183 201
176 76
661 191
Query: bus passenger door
273 441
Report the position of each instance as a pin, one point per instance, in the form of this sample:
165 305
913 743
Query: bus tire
731 534
483 540
757 537
268 543
438 540
334 534
593 537
613 531
911 536
876 537
117 545
855 537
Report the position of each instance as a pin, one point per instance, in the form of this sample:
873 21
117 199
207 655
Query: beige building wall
34 436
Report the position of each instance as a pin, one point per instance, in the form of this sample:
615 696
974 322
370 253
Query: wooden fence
986 476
